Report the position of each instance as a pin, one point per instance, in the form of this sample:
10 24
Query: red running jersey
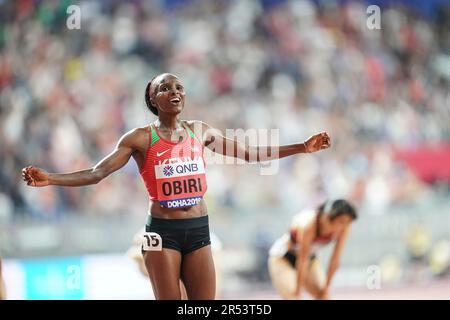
174 173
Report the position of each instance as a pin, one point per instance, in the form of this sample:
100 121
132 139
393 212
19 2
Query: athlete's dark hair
338 208
149 104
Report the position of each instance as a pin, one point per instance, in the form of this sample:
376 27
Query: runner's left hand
317 142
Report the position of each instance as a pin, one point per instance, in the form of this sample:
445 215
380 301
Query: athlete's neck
169 123
325 227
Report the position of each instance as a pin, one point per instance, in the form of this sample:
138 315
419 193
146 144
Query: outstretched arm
37 177
214 140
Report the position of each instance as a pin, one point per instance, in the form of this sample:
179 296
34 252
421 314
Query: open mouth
175 101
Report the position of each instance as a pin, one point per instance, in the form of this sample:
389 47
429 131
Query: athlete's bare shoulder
204 130
197 124
305 220
140 131
200 128
135 138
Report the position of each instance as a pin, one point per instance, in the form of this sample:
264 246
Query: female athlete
169 156
293 263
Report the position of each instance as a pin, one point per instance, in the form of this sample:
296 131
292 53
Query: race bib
181 183
151 241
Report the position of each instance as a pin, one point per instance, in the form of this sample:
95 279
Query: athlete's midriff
174 175
158 211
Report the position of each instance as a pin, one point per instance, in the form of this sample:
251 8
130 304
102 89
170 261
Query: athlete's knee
168 295
200 290
166 291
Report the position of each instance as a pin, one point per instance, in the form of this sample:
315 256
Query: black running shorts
183 235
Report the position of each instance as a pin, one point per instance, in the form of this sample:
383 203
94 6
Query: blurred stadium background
66 96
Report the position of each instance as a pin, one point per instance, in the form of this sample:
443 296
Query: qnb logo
186 168
168 171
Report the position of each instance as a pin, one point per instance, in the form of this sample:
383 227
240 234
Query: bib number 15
151 241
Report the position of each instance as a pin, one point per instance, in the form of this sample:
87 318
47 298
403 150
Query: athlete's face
168 94
340 223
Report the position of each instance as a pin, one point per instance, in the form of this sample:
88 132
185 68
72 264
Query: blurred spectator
440 258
